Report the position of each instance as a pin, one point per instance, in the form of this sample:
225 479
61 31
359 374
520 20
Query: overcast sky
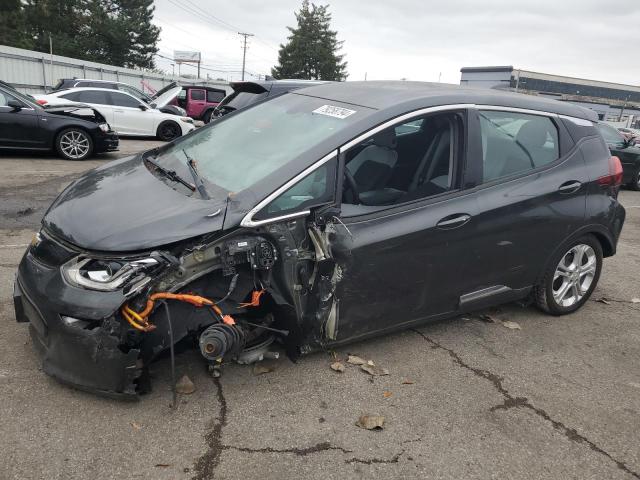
417 39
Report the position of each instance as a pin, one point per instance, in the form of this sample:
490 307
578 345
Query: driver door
404 260
19 128
130 116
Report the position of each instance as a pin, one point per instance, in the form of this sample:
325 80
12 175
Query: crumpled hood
123 207
78 110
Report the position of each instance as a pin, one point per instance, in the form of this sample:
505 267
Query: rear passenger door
531 197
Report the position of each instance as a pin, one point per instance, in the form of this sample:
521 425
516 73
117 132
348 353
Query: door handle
119 111
453 221
570 187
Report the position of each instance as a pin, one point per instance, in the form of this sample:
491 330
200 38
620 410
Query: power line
199 12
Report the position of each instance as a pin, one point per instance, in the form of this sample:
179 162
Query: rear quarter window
215 96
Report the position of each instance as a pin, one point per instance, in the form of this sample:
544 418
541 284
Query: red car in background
197 100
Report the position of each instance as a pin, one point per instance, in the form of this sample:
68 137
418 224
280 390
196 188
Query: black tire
635 181
168 130
206 118
74 144
543 293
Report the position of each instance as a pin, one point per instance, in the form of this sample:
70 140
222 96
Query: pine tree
12 24
59 20
116 32
312 49
120 32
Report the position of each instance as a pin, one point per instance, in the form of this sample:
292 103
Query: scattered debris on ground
635 300
372 369
408 382
511 325
338 367
136 425
266 366
185 386
487 318
387 394
355 360
603 300
371 422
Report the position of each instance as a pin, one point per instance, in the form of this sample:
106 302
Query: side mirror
15 104
143 107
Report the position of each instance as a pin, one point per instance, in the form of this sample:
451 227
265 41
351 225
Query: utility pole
51 58
244 50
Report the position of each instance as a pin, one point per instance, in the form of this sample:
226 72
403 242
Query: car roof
204 87
93 80
383 95
83 89
266 85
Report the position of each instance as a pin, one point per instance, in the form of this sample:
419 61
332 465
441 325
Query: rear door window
514 143
73 96
122 100
88 96
197 94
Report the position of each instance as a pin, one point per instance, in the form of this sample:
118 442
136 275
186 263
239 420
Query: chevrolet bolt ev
326 215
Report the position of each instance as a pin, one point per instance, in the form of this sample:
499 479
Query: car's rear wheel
206 118
571 277
168 131
74 144
635 182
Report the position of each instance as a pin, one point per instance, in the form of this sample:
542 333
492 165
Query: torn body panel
265 283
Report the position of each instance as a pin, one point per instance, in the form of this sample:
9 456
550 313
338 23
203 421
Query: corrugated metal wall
37 72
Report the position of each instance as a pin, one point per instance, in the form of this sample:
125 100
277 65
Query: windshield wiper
191 163
171 174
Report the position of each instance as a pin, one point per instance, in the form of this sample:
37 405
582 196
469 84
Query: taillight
614 179
41 102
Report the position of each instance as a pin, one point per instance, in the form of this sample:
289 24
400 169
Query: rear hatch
244 94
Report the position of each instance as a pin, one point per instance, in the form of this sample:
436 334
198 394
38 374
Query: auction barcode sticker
333 111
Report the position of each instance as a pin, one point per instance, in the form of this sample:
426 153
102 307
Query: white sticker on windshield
333 111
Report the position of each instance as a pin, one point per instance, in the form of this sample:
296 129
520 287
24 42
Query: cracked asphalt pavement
465 398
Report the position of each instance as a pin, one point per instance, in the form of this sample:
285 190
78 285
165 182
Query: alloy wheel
74 144
574 275
169 131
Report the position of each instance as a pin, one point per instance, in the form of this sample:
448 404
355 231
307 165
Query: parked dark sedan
323 216
75 131
248 93
627 151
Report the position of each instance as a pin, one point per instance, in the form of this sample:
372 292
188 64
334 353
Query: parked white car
126 114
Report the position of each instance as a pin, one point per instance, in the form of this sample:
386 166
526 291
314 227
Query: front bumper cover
107 143
87 356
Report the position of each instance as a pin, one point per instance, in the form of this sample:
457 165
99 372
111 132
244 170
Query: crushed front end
100 319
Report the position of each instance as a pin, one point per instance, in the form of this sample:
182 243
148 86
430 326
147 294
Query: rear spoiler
251 87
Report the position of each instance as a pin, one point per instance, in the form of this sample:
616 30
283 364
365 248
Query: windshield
610 134
240 150
19 96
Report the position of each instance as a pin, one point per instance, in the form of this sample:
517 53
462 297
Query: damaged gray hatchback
330 214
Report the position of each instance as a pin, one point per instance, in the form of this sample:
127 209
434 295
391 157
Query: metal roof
406 96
